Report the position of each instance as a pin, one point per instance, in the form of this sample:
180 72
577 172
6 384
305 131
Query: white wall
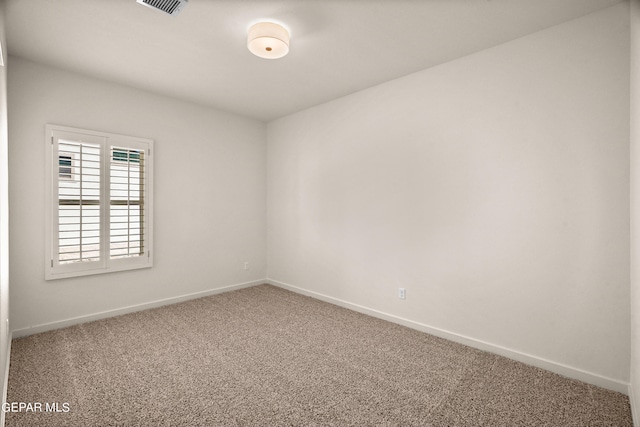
494 188
634 388
4 219
209 195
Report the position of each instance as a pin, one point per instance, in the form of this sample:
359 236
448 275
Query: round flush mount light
268 40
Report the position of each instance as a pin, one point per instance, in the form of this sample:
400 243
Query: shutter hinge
51 139
149 254
51 263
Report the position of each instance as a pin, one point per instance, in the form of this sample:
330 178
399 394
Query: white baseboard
558 368
6 378
129 309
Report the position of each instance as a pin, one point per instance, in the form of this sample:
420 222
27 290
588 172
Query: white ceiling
337 46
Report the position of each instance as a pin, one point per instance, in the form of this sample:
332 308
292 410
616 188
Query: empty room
320 212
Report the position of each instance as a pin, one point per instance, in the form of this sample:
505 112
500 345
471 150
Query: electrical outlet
402 293
246 265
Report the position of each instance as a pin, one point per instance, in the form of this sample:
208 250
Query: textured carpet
265 356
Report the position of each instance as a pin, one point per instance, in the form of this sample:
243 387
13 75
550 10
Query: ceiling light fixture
268 40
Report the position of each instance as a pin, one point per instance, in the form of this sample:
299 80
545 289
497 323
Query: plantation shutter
126 202
100 194
79 202
78 189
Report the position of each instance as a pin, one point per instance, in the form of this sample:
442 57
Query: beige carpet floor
267 357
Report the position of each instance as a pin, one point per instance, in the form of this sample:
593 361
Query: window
66 171
99 194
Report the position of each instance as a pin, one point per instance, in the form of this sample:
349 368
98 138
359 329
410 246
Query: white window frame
53 268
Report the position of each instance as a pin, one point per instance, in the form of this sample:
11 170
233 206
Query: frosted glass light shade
268 40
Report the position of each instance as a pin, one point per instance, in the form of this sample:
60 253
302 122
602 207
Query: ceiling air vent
172 7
